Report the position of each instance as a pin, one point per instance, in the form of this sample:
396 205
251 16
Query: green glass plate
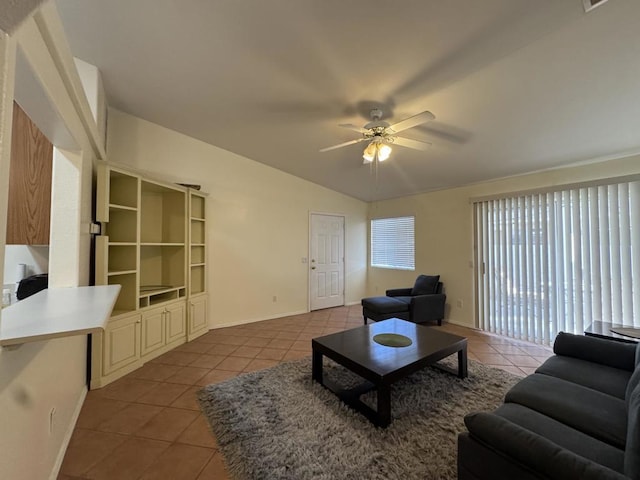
392 340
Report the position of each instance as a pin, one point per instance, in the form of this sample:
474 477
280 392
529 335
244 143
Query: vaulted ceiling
515 85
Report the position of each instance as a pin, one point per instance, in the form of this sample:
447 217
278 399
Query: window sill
57 312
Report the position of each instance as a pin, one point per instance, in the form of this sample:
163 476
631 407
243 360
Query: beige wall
444 229
258 228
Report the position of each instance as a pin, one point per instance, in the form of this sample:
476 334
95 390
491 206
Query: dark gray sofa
577 417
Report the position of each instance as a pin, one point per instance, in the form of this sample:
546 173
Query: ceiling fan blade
340 145
412 121
407 142
355 128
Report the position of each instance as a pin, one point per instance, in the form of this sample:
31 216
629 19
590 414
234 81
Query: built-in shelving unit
152 245
197 265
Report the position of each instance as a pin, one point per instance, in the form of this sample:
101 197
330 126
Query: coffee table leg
316 366
462 363
384 405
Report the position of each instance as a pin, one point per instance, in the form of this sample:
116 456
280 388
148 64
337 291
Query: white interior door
326 261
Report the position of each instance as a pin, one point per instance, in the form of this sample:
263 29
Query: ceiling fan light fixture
369 153
384 151
376 149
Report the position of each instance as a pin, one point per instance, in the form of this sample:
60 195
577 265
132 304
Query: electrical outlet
459 303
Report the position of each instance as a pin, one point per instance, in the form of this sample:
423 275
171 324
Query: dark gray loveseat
577 417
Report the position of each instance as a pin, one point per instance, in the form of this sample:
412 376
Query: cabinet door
121 343
153 330
29 200
176 322
197 316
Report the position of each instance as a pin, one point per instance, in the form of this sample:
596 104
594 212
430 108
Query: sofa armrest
534 451
598 350
399 292
427 307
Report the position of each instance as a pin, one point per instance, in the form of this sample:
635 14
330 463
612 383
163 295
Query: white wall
258 220
38 377
444 229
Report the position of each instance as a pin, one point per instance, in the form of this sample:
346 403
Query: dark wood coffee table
380 365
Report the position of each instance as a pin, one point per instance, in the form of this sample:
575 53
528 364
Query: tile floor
147 425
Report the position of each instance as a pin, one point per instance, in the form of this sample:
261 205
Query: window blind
558 261
393 243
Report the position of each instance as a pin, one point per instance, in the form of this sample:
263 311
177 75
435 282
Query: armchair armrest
427 307
399 292
534 451
598 350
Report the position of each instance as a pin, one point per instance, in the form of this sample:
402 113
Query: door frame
344 257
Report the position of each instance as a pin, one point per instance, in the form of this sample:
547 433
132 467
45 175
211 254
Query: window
393 243
557 261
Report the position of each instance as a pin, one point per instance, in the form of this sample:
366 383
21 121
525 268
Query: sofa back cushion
632 447
425 285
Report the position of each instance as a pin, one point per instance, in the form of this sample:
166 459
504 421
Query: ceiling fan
381 135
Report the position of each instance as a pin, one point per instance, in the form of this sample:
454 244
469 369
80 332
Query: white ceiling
515 85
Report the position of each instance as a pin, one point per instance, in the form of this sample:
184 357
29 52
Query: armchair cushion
425 285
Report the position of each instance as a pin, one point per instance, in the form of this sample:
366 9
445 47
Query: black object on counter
31 285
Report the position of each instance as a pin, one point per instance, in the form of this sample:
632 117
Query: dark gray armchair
422 303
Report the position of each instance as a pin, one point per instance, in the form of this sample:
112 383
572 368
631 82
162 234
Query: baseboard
259 319
351 304
67 437
459 323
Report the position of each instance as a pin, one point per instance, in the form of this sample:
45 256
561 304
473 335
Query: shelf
197 254
197 233
124 272
162 214
122 244
197 206
161 244
122 258
198 264
57 312
160 295
123 189
122 226
114 206
197 219
197 279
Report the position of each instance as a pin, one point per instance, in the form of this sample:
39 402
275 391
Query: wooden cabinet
153 333
153 245
29 205
198 323
121 344
175 323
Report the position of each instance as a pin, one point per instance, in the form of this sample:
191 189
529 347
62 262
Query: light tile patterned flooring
147 425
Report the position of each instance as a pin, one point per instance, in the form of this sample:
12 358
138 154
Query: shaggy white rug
279 424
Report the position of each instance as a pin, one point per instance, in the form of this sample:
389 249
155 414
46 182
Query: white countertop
57 312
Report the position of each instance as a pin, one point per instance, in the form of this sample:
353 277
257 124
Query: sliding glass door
558 260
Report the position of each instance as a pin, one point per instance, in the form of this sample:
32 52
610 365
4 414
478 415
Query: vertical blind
558 261
393 243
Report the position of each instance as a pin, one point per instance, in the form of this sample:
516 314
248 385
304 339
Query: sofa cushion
598 350
385 304
590 411
534 451
634 381
609 380
425 285
564 436
632 451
